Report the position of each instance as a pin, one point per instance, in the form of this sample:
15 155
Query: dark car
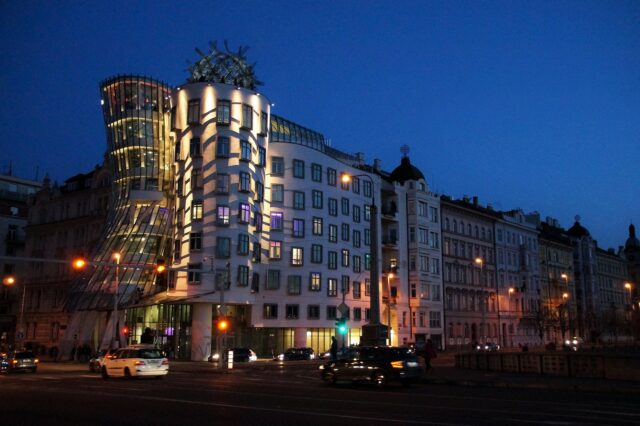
19 361
296 354
239 355
377 365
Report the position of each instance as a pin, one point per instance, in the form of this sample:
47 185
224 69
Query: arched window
461 227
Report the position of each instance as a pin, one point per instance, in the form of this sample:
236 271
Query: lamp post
9 282
480 261
116 321
373 334
389 277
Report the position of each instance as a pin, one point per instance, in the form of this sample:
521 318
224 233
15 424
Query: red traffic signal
222 325
125 330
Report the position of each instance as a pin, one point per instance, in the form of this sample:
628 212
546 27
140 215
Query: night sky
525 104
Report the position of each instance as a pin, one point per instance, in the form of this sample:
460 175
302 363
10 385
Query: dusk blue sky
525 104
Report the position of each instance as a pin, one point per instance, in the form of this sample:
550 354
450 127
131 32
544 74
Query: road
289 397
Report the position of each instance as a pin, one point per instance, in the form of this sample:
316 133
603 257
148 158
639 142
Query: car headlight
215 357
281 357
312 356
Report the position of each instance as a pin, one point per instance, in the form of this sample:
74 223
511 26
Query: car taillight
36 360
15 361
396 364
139 363
165 362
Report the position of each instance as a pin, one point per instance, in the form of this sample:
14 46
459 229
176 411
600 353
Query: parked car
21 360
136 361
377 365
95 363
239 355
295 354
572 344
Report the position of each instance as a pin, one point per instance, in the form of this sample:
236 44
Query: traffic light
222 325
125 331
341 325
160 266
161 273
9 280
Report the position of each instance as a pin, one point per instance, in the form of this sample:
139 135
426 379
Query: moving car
95 363
487 347
239 355
377 365
572 344
21 360
136 361
296 354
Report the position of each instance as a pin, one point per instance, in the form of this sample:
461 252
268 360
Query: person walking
429 353
334 348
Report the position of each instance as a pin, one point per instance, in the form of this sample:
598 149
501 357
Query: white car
136 361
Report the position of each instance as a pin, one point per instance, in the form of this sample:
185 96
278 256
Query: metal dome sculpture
225 67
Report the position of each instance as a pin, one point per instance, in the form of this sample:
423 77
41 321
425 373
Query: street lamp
11 281
480 261
389 278
373 334
628 287
116 321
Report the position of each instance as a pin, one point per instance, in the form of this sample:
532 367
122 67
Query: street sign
343 308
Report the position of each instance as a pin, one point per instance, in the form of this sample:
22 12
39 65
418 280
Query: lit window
222 216
332 287
275 249
317 226
296 256
196 210
276 221
244 213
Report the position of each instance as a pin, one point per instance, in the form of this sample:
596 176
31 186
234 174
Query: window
247 116
276 221
257 221
333 207
332 287
243 244
257 252
222 216
179 184
222 147
223 247
196 178
345 232
357 291
316 199
245 151
245 182
367 213
244 213
435 293
356 238
357 314
331 176
173 119
298 169
298 228
264 123
313 311
292 311
196 210
433 214
193 111
277 166
277 193
367 262
422 209
344 184
356 214
355 185
332 312
195 241
223 112
262 156
316 172
177 248
194 148
316 253
298 200
193 274
333 260
424 263
357 265
270 311
273 279
294 283
434 266
367 237
345 258
315 281
433 239
345 206
434 319
317 226
259 192
243 276
297 256
423 235
222 183
275 249
367 290
344 284
333 233
366 188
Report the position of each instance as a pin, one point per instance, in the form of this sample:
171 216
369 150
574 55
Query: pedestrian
429 352
334 348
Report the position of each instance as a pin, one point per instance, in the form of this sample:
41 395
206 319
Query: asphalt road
288 397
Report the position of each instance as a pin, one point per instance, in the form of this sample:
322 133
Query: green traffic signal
342 327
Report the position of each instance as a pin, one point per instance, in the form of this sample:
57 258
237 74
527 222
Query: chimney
377 164
475 201
360 157
465 198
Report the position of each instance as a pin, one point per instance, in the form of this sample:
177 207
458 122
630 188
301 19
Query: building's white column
300 337
201 322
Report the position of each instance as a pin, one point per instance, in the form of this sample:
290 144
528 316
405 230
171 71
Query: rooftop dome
405 171
578 230
632 241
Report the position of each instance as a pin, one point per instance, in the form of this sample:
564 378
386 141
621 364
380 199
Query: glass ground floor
169 326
